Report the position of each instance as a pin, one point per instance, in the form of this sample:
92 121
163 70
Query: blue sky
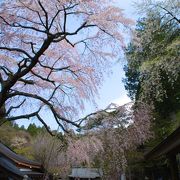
112 89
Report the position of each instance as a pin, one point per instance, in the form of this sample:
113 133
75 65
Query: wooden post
173 167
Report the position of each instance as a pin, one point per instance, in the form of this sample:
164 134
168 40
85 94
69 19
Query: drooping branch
1 79
44 124
46 102
43 78
28 116
20 74
6 70
46 14
36 27
33 11
16 50
170 13
15 107
18 25
25 81
24 116
111 110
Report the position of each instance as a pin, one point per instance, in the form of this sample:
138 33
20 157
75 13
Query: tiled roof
10 167
168 145
18 165
7 152
86 173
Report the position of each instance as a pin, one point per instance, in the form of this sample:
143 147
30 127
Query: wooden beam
173 167
169 145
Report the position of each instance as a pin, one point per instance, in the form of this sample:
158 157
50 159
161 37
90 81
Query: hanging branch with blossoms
53 55
120 129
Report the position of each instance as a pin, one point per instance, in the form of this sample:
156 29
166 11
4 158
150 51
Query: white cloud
122 100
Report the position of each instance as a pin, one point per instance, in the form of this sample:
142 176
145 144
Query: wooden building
17 167
86 174
170 148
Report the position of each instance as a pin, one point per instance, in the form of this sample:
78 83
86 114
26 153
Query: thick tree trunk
2 115
173 167
2 112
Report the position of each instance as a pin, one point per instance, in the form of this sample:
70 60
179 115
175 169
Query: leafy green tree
152 72
32 129
22 127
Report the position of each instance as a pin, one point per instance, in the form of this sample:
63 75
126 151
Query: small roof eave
91 173
7 152
169 145
8 166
